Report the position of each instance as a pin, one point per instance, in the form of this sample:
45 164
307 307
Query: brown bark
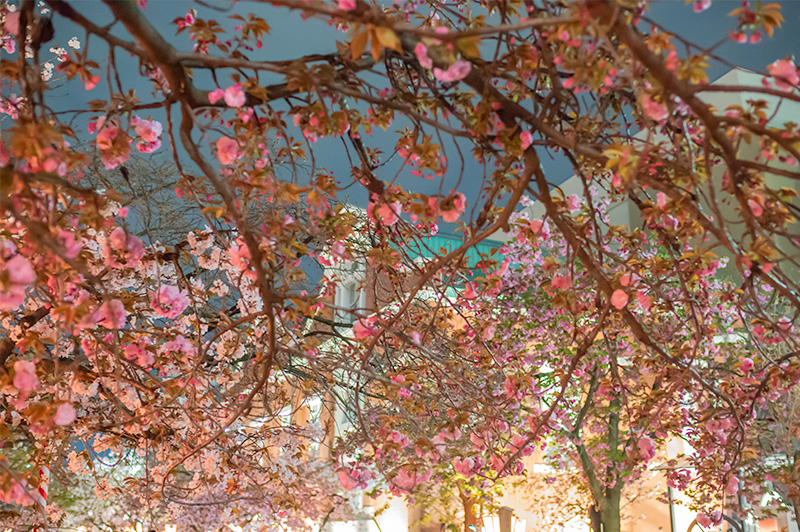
471 520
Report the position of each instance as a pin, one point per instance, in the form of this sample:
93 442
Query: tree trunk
471 523
595 519
610 514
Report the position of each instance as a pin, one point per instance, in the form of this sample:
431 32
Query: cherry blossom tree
198 359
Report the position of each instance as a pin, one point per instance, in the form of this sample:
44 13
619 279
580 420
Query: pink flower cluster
149 132
111 314
388 213
227 150
121 249
15 276
170 301
365 328
112 142
408 480
25 378
234 96
137 352
453 207
785 73
455 72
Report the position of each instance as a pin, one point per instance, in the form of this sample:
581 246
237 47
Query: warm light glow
492 524
171 528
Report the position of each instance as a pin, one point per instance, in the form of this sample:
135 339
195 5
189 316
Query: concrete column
504 517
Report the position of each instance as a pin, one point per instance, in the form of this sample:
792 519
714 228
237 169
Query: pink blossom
464 466
106 133
573 202
701 5
20 274
112 314
737 36
170 301
661 200
647 448
732 487
187 20
138 353
150 133
25 378
469 291
148 130
240 255
746 364
227 150
121 249
527 139
476 439
455 72
704 521
561 282
653 109
498 464
785 73
364 328
450 435
755 208
644 300
215 95
12 22
92 82
387 212
407 480
114 152
17 493
347 5
347 481
180 344
65 414
398 438
510 388
619 299
421 51
539 229
452 214
20 270
71 247
234 96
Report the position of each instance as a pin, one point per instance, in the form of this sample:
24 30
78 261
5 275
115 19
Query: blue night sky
291 37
